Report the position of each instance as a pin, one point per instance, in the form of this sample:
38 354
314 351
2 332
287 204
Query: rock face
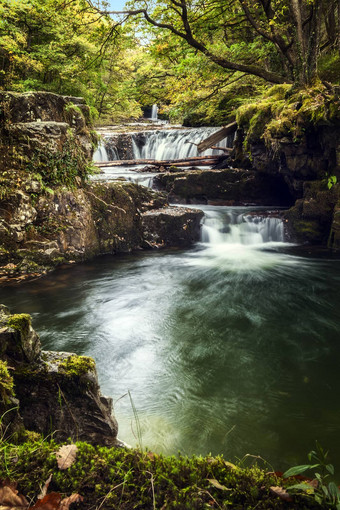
232 186
173 226
58 392
49 211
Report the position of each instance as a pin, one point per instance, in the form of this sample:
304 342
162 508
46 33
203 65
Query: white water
227 225
240 239
154 112
100 154
173 144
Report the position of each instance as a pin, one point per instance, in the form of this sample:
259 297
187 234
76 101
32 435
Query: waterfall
100 154
105 152
172 144
231 226
154 112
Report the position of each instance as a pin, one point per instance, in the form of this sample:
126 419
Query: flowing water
231 347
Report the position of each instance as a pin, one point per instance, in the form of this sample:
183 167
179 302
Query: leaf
281 493
217 484
296 470
330 469
334 491
10 499
74 498
44 489
230 465
302 486
66 455
50 502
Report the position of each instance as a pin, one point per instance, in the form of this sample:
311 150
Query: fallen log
130 162
211 140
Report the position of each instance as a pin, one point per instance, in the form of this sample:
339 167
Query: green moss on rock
6 383
20 321
78 365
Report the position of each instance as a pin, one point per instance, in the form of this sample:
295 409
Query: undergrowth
128 479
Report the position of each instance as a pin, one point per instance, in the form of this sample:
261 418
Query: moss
21 322
285 112
78 365
6 383
126 479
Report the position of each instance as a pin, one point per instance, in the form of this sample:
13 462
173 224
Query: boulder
171 227
57 392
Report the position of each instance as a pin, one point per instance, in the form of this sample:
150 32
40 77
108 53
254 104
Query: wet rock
232 185
171 227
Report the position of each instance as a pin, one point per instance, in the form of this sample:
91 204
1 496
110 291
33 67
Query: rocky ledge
50 212
50 392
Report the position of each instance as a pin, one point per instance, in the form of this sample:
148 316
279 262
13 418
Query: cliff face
49 211
296 135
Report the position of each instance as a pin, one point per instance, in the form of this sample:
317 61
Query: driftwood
198 160
207 143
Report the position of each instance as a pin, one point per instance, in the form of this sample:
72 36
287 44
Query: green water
225 348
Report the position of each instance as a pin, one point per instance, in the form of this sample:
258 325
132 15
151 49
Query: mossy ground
110 478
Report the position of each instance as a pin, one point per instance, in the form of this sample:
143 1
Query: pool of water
231 347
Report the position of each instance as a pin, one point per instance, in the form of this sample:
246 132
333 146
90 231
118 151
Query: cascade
105 152
154 112
100 154
173 144
235 226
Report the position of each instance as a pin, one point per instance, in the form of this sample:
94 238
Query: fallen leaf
66 455
217 484
281 493
50 502
44 489
230 465
9 498
74 498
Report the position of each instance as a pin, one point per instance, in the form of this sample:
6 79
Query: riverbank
117 478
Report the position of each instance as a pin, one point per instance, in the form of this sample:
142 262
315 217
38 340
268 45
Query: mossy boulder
60 395
18 340
57 392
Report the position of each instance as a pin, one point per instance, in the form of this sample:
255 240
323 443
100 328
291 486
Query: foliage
120 478
324 492
67 48
78 365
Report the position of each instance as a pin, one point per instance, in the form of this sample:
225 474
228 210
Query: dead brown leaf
74 498
10 499
281 493
66 455
50 502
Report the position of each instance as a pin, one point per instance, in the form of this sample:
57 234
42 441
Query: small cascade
154 112
105 152
234 227
172 144
100 154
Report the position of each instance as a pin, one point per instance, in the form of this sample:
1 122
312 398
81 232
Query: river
230 347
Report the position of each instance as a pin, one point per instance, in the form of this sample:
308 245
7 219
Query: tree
294 31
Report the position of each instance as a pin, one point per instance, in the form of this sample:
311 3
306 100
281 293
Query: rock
18 340
61 395
173 226
232 185
58 392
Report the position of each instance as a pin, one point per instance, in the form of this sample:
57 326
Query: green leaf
297 470
302 487
334 492
330 469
